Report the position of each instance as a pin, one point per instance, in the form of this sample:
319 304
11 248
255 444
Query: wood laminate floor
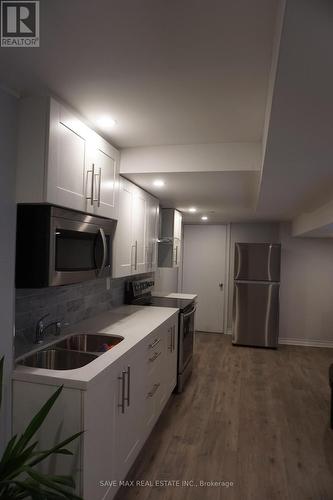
255 417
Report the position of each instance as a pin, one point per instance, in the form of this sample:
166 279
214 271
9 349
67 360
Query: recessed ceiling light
106 122
192 209
159 183
204 217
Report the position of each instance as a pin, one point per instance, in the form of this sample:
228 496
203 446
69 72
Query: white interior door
204 273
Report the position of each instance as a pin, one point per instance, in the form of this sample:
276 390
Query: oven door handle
105 249
190 312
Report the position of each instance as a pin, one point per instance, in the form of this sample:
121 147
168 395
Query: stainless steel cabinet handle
176 255
122 404
128 385
171 339
156 355
132 265
92 172
152 392
136 255
99 188
156 341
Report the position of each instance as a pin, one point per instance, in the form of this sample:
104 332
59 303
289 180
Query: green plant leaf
37 421
13 466
62 451
65 480
49 483
56 449
8 450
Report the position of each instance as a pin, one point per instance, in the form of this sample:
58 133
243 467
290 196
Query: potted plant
19 479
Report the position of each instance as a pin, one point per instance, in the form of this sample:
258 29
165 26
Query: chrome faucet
41 329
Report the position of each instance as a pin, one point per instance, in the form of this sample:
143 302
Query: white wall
306 294
192 158
8 128
248 233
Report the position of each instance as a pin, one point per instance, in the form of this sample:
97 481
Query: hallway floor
256 418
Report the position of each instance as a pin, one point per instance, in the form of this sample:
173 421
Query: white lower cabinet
128 411
117 412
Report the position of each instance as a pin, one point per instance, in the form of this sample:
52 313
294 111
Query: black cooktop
181 304
138 292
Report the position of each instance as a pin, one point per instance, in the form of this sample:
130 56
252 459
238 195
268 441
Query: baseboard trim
307 342
229 331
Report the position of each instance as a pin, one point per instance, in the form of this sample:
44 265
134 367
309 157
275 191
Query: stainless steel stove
139 293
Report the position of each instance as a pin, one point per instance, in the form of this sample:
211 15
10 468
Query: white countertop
133 323
175 295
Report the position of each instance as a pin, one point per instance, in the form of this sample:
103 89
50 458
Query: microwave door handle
105 249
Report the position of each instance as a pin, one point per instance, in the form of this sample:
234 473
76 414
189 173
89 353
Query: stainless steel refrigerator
256 294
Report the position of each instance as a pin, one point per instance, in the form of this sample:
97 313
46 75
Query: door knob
221 285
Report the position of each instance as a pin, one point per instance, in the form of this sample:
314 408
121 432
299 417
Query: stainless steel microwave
56 246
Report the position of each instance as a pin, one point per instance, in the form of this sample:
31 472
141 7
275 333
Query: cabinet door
176 252
154 380
152 233
155 213
103 161
139 209
177 228
129 408
66 159
99 430
64 420
123 248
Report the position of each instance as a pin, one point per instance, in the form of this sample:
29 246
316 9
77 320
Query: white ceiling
298 166
192 73
178 72
222 196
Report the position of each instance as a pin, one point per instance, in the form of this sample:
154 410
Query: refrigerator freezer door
257 261
256 314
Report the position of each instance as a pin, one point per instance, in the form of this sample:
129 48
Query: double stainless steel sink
72 352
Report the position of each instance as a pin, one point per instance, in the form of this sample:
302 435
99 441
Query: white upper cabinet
63 162
102 180
169 248
152 233
139 211
177 225
134 246
122 245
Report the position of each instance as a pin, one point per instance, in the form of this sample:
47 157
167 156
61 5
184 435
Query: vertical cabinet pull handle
173 338
92 188
136 255
128 385
92 172
122 404
132 265
99 187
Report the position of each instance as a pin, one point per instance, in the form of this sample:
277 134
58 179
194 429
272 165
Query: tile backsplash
68 304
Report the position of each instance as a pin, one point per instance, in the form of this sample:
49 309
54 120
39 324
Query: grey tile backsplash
68 304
